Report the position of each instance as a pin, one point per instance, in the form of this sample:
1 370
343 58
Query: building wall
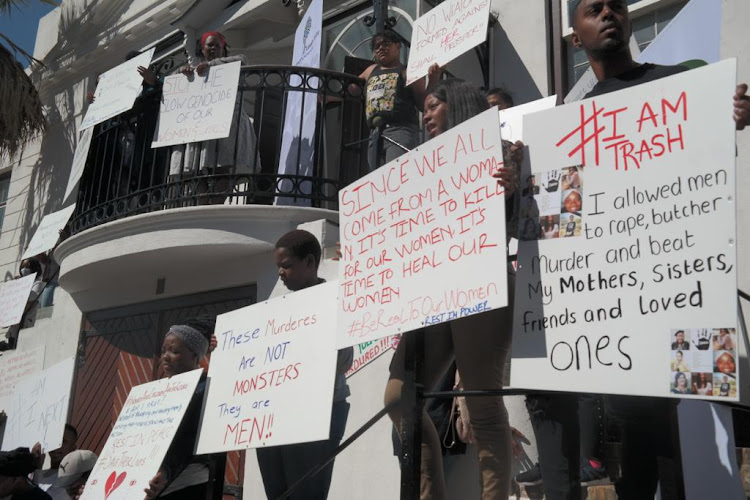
41 170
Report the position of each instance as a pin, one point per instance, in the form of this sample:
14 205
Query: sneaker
590 474
531 477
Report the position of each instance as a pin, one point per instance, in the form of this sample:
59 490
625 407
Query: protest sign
79 161
415 231
39 409
297 143
511 119
367 352
446 32
116 90
14 295
273 360
627 260
16 366
140 438
197 108
48 232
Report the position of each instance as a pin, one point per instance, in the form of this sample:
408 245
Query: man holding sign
602 28
297 258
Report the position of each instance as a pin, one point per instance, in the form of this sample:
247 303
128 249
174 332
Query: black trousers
650 443
282 466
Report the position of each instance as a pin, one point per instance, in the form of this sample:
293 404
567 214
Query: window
4 187
347 35
648 17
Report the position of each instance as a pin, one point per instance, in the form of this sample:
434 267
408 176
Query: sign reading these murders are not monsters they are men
627 265
272 374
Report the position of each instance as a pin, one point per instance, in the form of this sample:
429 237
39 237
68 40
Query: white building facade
128 272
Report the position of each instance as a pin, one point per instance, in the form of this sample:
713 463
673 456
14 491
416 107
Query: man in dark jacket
15 467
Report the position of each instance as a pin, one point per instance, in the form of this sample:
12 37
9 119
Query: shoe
590 474
531 477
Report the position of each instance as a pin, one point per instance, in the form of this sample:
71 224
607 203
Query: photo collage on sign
552 204
703 362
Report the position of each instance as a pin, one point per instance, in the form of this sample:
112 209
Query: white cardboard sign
273 359
415 231
367 352
511 119
446 32
141 437
197 108
14 295
16 366
627 265
116 90
79 161
39 408
48 232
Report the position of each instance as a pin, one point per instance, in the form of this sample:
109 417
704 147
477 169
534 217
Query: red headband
217 35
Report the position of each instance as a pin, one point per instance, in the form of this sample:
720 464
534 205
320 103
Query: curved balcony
138 218
125 177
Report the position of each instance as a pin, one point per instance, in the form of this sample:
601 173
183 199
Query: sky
21 25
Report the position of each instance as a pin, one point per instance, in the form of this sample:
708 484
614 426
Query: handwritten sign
79 161
197 108
415 231
627 275
446 32
273 359
48 232
14 295
39 409
140 438
15 366
367 352
116 90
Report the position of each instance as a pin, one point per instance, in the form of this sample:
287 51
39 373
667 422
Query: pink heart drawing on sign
113 482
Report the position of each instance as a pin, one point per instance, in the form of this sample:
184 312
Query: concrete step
600 490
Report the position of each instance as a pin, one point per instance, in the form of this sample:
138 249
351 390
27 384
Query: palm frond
22 117
7 6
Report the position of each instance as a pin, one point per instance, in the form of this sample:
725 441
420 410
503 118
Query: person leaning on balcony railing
215 157
390 105
479 343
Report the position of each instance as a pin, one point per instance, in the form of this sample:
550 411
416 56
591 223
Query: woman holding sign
182 475
479 343
225 157
390 105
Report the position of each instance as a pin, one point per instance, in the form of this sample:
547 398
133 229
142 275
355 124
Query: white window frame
638 9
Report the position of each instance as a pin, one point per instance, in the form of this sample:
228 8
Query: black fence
124 176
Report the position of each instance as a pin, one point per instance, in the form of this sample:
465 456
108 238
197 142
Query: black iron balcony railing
124 176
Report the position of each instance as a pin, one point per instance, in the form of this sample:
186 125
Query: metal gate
119 348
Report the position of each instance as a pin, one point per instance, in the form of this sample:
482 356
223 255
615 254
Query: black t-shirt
33 494
641 74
